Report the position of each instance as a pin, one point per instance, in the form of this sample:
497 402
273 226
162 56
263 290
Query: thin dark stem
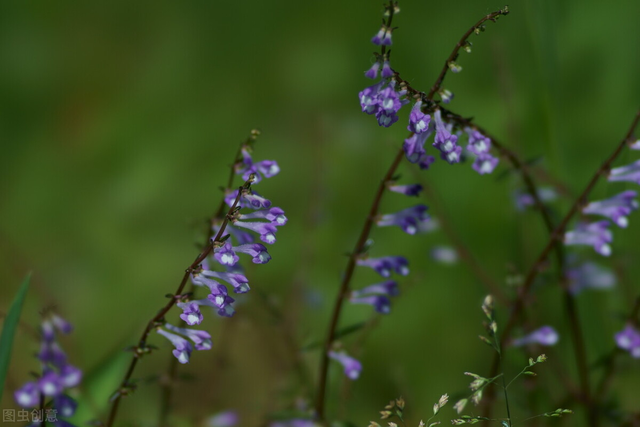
142 343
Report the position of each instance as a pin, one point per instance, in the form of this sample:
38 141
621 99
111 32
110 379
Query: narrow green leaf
9 330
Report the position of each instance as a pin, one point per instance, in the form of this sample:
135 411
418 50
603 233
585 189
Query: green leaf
9 330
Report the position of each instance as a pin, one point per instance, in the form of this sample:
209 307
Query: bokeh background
119 120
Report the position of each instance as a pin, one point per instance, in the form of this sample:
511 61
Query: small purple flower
27 396
594 234
191 314
453 156
407 219
546 335
274 215
389 288
382 37
239 282
425 161
418 121
626 173
50 384
524 199
445 95
629 339
485 163
248 200
224 419
444 255
65 405
385 265
256 250
386 70
372 72
369 98
352 367
240 235
589 275
379 302
201 339
70 376
414 146
478 143
635 145
409 190
51 353
388 105
268 168
225 255
220 301
266 230
183 347
615 208
445 141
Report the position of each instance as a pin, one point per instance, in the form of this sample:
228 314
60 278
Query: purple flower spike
407 219
595 234
352 367
384 265
478 143
414 146
379 302
626 173
183 347
546 335
485 163
266 230
28 396
201 339
65 405
590 276
389 288
190 313
372 72
615 208
224 419
239 282
386 70
408 190
70 376
256 250
274 215
369 98
445 141
50 384
418 121
425 161
225 255
629 339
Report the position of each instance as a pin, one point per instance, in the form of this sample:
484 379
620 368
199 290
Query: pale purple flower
241 236
225 255
545 335
385 265
183 348
257 251
445 141
65 405
369 98
50 384
372 72
615 208
589 275
27 396
389 288
418 121
248 200
523 199
485 163
444 255
626 173
191 314
629 339
445 95
379 302
452 156
268 168
274 215
266 230
407 219
239 282
388 105
382 37
635 145
352 367
224 419
408 190
414 146
296 422
201 339
478 143
386 70
70 376
594 234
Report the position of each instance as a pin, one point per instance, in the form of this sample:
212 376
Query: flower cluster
57 374
263 220
629 339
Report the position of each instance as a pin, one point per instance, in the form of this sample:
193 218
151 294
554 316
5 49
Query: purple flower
635 145
425 161
268 168
589 275
225 255
409 190
266 230
217 300
183 347
445 141
615 208
65 405
626 173
382 37
445 95
388 105
241 236
201 339
546 335
379 302
444 254
407 219
386 70
389 288
384 265
418 121
594 234
273 215
248 200
239 282
369 98
629 339
70 376
485 163
224 419
256 250
296 422
51 353
478 143
372 72
524 199
414 146
27 396
190 313
49 384
352 367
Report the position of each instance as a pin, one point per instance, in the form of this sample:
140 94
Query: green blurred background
119 121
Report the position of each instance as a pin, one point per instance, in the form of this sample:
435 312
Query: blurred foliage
119 120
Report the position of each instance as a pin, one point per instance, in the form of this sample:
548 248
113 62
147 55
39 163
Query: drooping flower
425 161
386 70
414 146
478 143
629 339
616 208
369 98
629 173
352 367
589 275
445 95
485 163
388 105
382 37
445 141
183 348
594 234
372 72
274 215
418 121
266 230
201 339
239 282
408 190
389 288
444 254
407 219
385 265
379 302
545 335
524 199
